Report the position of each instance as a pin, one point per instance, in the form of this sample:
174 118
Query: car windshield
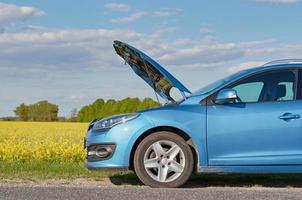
218 83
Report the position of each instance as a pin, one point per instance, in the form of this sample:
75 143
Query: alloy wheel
164 161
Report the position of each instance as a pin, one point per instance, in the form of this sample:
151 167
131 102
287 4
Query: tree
83 114
44 111
147 103
97 106
40 111
22 112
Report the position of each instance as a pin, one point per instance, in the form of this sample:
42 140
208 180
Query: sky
61 50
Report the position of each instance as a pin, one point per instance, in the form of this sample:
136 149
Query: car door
265 128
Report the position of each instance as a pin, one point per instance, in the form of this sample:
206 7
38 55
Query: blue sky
62 50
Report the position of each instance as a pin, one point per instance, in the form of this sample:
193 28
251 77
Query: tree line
100 108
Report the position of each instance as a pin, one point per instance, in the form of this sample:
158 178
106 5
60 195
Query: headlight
108 123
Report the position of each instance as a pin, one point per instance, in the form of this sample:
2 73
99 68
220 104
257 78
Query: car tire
163 167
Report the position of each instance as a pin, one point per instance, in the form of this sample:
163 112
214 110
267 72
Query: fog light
99 152
103 152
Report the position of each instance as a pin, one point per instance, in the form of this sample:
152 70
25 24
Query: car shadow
128 178
223 180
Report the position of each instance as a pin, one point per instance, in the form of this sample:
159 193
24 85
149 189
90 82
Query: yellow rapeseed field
42 141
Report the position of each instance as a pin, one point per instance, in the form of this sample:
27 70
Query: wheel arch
173 130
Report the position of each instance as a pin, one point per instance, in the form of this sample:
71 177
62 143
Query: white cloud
135 16
253 43
278 1
117 7
245 65
42 51
202 53
206 30
63 49
166 12
163 30
10 14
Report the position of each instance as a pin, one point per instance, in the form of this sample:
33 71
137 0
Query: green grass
36 170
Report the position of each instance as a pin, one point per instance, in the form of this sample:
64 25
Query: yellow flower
42 141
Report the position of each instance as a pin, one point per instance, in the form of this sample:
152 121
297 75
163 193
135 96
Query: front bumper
123 136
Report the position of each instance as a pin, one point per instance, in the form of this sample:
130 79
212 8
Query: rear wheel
163 159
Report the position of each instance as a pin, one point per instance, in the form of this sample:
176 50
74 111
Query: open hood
150 71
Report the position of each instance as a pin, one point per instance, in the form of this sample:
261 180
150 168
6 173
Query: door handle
288 116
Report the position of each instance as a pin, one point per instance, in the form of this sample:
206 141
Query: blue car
248 122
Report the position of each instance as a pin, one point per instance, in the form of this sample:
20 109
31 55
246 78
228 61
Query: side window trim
296 84
299 85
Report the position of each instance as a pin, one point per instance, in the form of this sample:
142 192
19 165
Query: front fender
191 119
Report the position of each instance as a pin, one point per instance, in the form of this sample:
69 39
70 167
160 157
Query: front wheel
163 159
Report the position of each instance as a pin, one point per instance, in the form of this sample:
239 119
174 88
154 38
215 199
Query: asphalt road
23 191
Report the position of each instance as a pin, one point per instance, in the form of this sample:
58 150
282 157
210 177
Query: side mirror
226 96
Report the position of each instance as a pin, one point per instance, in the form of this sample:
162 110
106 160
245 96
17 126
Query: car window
289 91
249 92
267 86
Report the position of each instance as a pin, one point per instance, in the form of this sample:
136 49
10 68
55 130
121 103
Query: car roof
273 65
284 61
